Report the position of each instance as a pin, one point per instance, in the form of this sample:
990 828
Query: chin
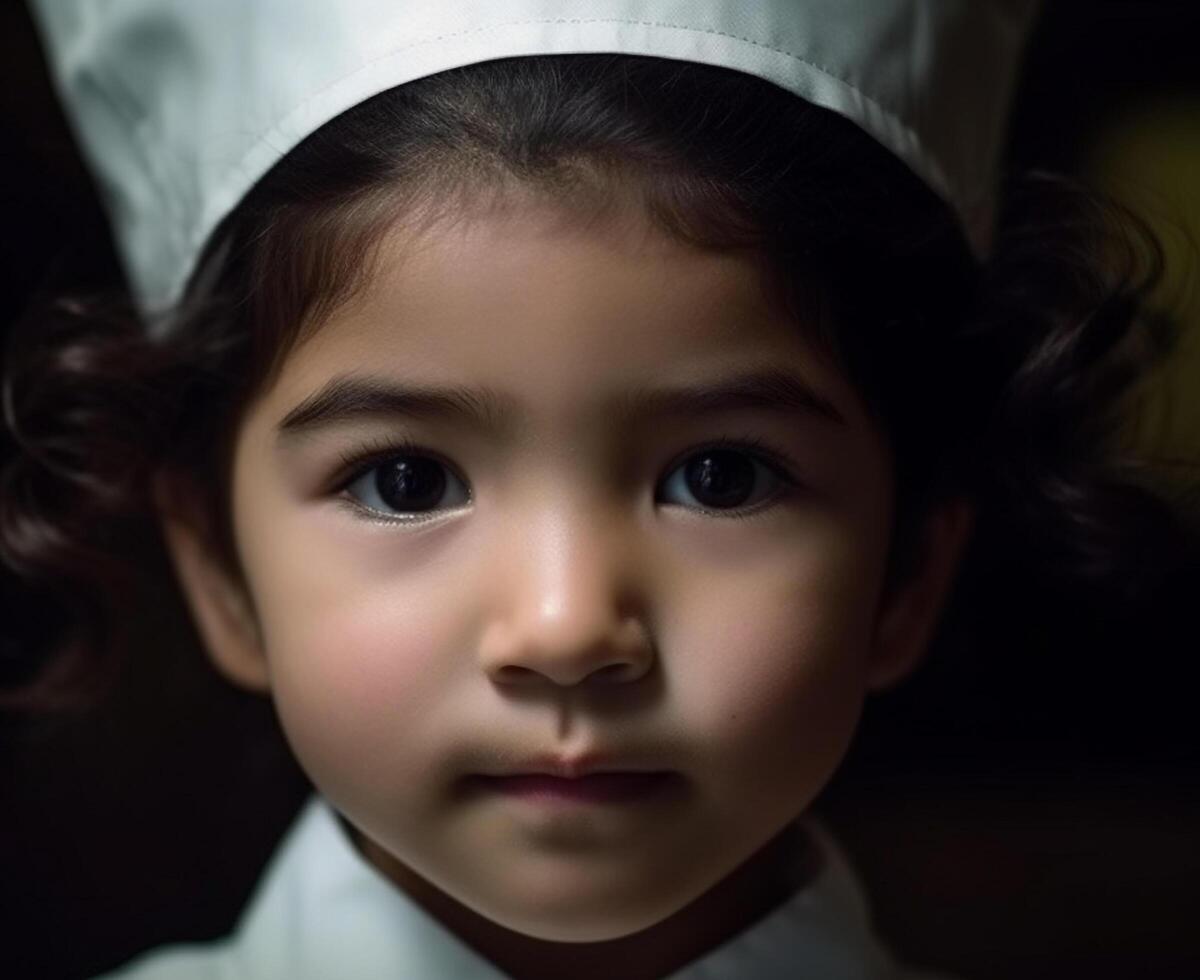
589 920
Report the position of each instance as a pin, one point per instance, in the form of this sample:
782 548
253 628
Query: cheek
354 667
776 666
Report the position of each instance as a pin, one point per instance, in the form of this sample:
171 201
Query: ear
220 608
912 610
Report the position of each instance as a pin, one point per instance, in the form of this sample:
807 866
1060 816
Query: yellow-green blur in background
1148 157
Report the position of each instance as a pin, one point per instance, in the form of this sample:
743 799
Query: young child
567 424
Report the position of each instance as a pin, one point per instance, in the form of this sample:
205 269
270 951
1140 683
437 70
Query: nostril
616 673
511 672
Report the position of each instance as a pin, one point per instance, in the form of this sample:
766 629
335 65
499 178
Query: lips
575 767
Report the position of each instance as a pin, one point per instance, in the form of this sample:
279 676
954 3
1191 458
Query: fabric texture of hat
180 107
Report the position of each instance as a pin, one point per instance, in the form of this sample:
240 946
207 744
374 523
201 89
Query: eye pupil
411 483
725 478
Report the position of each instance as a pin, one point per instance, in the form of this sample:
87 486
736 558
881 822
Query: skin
573 601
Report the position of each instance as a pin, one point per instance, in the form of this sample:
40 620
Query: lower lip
607 787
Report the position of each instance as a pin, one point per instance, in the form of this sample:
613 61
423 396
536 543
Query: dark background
1030 817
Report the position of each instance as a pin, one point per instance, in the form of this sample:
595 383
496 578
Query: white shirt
322 912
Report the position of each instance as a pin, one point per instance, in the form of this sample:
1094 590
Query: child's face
568 593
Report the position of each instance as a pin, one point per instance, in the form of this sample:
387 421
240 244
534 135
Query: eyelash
361 459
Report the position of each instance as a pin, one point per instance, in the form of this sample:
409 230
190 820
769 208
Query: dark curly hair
1007 381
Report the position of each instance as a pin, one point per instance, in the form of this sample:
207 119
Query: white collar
321 910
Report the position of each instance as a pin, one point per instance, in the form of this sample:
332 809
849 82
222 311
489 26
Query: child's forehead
565 317
522 315
610 290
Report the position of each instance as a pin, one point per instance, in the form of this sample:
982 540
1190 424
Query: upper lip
573 767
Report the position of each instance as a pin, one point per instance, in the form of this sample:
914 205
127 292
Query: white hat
181 106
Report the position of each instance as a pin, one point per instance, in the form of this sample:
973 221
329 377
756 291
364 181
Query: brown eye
725 479
407 484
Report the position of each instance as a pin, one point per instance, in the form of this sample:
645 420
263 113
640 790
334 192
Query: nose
570 608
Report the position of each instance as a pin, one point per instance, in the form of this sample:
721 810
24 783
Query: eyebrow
349 397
